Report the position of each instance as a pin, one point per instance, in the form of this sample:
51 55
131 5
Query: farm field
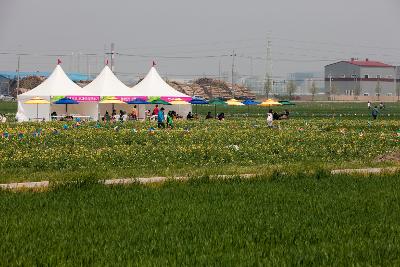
301 109
293 213
280 220
63 151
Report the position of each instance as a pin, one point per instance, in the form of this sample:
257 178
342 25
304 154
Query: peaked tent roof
58 84
154 85
107 84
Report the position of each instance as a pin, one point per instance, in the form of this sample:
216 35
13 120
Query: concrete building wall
346 77
369 87
341 70
4 85
384 73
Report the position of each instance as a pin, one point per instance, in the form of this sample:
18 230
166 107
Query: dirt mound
210 88
393 156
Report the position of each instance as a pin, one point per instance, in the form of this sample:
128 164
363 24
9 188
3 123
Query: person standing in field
161 118
270 118
134 113
155 110
369 105
375 112
170 120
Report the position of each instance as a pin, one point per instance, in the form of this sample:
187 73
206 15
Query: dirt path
126 181
153 180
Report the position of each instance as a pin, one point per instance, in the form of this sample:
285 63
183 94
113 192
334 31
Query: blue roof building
11 75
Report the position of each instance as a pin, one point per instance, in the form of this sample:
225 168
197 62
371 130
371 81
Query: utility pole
233 72
71 62
219 69
395 81
19 58
105 56
87 66
330 86
79 62
251 66
112 57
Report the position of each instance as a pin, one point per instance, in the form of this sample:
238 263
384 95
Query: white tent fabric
57 84
107 84
154 86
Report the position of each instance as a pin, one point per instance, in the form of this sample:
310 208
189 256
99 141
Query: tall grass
281 220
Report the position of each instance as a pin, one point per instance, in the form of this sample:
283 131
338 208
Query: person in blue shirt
375 112
161 118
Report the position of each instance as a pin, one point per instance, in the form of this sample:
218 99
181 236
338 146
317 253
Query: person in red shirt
155 110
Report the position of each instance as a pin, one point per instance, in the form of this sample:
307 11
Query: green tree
291 88
268 86
378 88
313 89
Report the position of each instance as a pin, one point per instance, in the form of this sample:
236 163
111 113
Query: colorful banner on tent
83 99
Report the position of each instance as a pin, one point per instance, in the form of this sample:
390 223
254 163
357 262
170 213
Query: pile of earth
211 88
392 156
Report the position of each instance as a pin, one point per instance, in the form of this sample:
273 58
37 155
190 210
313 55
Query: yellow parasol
111 100
270 103
234 102
38 101
179 101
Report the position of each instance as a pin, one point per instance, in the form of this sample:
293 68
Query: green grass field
294 213
281 220
32 151
307 109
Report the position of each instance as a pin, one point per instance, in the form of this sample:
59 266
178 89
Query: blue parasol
138 101
250 102
198 102
66 101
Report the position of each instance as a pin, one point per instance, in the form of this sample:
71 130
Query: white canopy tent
153 86
105 85
56 85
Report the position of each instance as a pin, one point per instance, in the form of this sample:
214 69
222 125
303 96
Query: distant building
254 83
5 84
304 80
361 77
12 75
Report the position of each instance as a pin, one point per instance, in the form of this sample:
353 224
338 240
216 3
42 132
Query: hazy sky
188 38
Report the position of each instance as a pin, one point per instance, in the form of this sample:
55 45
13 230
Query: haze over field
194 38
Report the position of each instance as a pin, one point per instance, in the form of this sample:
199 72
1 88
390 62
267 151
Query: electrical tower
268 83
